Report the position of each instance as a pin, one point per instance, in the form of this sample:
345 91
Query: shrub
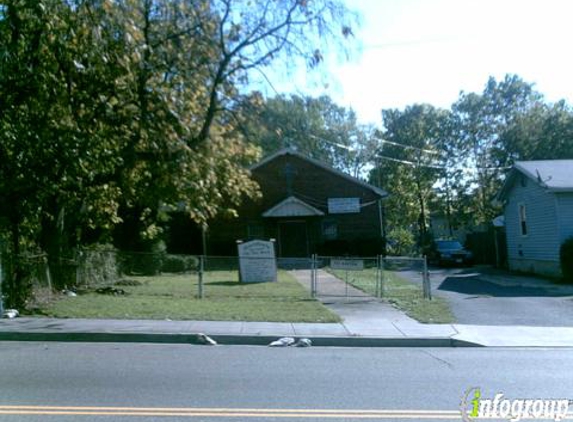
148 263
96 265
401 242
566 258
179 263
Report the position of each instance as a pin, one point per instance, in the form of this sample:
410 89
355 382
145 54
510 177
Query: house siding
538 251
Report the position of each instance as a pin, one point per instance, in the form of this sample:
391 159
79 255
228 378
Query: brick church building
307 207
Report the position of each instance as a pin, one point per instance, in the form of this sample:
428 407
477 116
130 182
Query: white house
538 207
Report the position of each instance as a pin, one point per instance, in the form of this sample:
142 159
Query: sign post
426 280
200 274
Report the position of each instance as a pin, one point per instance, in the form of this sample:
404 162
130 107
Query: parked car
449 252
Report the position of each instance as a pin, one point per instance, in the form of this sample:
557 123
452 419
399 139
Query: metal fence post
201 269
313 276
426 281
1 284
381 259
378 276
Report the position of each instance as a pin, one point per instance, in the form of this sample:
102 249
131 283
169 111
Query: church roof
287 151
292 207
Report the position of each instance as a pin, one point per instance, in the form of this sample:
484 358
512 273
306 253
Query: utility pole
449 204
381 208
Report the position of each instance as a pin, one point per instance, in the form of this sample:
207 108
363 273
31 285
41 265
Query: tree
480 121
410 162
251 37
113 111
543 132
197 55
317 127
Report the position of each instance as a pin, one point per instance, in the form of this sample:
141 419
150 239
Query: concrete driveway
486 296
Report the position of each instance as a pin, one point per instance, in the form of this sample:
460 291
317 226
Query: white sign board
347 264
343 205
257 262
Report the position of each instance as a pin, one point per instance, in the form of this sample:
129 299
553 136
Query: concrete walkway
364 315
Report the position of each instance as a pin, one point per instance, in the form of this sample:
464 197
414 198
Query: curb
224 339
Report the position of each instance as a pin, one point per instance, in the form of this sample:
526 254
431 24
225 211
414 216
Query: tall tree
317 127
480 121
115 109
410 162
543 132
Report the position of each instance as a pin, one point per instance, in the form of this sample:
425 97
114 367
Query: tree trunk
16 291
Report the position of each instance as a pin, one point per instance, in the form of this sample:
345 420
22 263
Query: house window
329 230
522 219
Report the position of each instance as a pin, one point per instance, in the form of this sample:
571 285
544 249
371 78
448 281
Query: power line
414 42
410 163
409 147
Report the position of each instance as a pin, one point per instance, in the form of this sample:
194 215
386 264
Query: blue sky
427 51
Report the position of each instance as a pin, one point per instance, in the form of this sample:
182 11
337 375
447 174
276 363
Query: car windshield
449 244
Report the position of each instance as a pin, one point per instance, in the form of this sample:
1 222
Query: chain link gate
369 278
404 276
346 277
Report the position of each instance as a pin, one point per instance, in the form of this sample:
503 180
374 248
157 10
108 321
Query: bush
141 263
566 258
96 265
148 263
401 242
179 263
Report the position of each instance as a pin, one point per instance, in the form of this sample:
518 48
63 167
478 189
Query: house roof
553 175
287 151
292 207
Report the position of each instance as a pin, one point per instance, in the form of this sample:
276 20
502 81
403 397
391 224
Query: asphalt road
482 296
150 382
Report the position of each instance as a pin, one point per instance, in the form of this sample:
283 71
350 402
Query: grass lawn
174 296
403 294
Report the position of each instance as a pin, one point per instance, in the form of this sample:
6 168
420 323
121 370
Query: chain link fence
378 277
347 277
108 271
405 276
33 276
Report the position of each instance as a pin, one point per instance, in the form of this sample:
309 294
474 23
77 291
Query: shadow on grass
225 283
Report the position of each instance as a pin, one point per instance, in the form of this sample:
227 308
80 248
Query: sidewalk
388 334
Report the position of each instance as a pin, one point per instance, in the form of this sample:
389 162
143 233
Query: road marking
230 412
207 409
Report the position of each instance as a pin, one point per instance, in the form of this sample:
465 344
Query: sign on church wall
343 205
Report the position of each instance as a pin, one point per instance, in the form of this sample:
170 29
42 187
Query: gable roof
553 175
287 151
292 207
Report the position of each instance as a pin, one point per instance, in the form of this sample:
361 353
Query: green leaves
453 162
114 110
410 162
